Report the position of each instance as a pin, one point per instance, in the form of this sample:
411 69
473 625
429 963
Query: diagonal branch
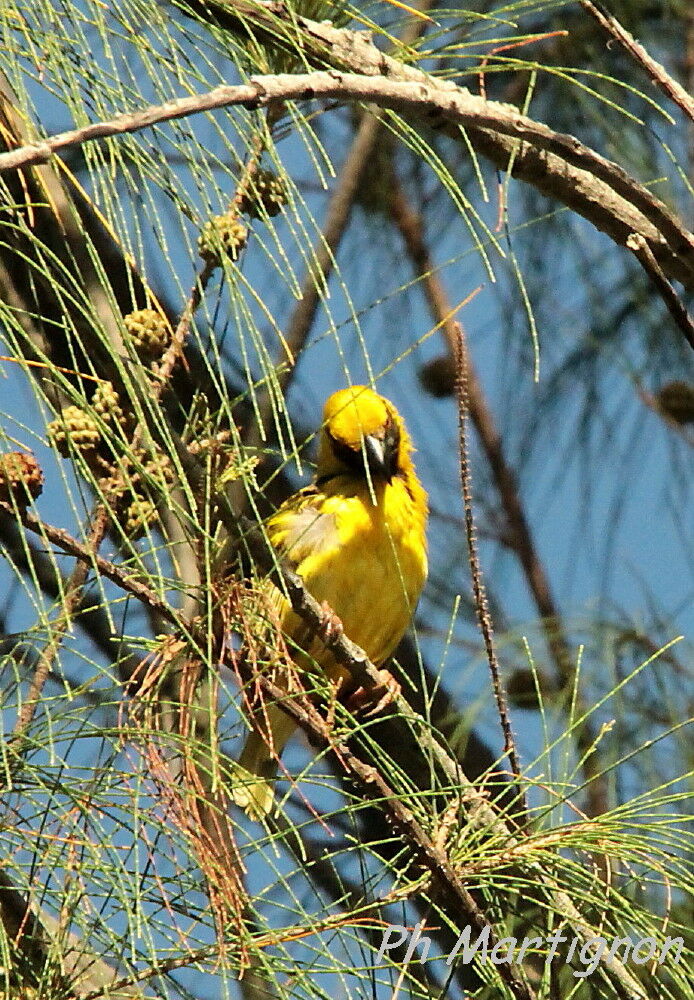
643 253
482 815
430 855
433 857
657 73
73 598
65 541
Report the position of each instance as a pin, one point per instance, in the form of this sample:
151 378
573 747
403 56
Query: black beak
375 455
380 457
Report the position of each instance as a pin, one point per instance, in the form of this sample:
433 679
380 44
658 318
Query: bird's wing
302 527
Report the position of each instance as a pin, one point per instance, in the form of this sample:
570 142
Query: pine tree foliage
354 192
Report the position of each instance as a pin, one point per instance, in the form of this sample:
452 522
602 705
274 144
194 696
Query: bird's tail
257 766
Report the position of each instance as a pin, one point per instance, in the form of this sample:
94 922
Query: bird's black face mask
380 453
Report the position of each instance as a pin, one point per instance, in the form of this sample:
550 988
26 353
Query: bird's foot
330 625
368 701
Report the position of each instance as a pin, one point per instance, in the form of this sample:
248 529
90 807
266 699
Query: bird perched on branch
357 538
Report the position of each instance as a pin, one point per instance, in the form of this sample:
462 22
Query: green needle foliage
176 301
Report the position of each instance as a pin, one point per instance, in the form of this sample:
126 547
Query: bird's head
360 427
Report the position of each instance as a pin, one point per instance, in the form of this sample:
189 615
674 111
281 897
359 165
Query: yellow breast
367 561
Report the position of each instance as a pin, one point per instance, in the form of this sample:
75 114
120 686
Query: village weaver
357 539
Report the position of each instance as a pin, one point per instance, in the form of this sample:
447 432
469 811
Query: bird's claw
330 625
372 700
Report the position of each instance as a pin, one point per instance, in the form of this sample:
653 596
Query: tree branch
374 787
601 190
324 45
65 541
643 253
657 73
481 813
484 618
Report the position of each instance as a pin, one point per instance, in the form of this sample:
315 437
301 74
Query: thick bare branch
322 44
597 188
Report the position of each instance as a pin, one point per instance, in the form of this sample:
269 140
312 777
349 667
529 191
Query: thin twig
203 806
65 541
657 73
175 349
520 537
34 562
484 618
73 598
410 225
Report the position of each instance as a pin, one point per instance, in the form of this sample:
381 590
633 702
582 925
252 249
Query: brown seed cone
266 194
106 403
438 376
74 428
676 399
21 478
139 514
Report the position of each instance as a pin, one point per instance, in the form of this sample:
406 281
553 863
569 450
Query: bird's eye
392 438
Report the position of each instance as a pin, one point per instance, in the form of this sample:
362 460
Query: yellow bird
357 538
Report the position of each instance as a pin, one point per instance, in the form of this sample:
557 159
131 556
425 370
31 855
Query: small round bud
74 429
522 688
139 514
266 194
114 489
21 479
161 470
149 333
437 376
676 400
106 403
223 234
